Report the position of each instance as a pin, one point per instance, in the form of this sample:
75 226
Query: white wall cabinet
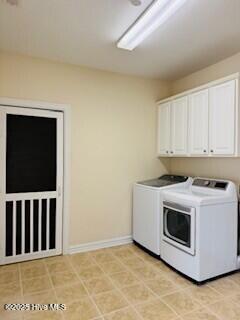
172 127
198 123
201 122
164 128
179 125
222 119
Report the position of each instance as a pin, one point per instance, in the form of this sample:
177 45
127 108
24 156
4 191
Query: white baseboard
90 246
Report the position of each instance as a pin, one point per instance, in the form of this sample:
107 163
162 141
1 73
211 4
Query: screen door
31 180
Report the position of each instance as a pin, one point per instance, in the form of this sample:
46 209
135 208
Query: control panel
214 184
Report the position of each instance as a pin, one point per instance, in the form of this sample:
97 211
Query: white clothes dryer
200 228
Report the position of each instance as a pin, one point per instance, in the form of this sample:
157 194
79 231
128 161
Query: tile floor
120 283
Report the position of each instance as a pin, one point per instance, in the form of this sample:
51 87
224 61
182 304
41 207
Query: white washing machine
147 207
199 230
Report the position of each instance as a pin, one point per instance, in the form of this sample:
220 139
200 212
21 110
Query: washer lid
165 180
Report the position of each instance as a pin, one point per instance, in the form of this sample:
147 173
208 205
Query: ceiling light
154 16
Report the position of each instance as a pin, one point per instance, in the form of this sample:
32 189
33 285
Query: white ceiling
84 32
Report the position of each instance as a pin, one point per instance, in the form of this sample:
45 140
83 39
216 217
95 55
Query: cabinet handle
211 150
172 152
204 150
167 151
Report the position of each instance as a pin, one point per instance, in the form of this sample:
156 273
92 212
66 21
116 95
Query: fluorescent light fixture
154 16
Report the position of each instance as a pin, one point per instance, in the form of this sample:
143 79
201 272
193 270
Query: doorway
31 167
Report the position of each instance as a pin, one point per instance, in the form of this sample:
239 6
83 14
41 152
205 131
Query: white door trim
66 109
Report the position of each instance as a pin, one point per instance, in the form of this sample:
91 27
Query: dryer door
179 226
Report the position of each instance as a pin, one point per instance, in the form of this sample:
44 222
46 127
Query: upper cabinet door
198 123
179 126
222 118
164 128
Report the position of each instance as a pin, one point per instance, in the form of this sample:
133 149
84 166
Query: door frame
66 109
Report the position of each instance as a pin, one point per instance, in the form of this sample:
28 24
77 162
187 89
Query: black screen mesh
31 154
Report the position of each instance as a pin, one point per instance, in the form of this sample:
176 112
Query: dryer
200 228
147 208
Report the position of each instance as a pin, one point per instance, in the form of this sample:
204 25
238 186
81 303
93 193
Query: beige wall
113 136
220 167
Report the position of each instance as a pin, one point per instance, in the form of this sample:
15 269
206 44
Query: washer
200 227
147 206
